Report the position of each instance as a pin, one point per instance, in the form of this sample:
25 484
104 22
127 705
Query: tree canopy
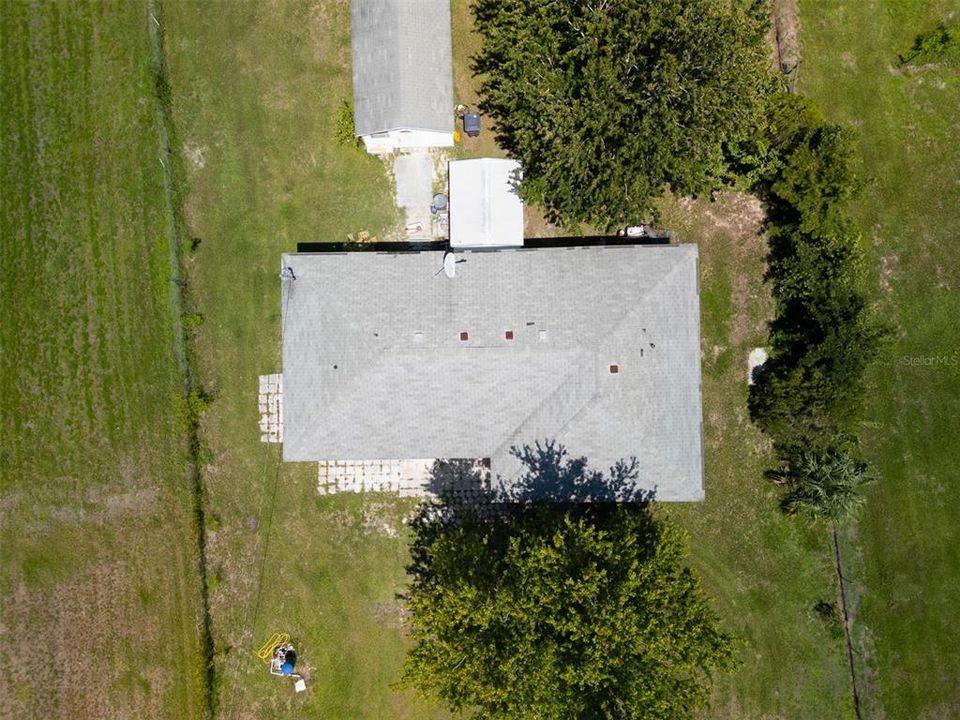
825 486
810 394
606 104
543 610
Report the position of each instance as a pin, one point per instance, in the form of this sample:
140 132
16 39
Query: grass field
908 540
256 95
255 99
99 589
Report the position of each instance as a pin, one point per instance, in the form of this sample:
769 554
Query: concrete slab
413 173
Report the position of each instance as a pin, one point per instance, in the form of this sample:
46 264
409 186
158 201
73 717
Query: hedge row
809 396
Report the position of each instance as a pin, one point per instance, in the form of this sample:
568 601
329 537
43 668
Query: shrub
938 46
830 616
345 130
192 320
213 522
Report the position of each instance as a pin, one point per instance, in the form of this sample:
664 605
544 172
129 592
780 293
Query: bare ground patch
889 265
732 243
323 19
784 37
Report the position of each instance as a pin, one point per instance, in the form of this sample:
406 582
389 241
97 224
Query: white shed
402 74
485 210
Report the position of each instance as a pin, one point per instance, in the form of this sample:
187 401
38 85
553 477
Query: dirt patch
849 60
441 158
736 222
96 656
325 44
121 500
889 265
194 155
377 519
783 38
278 98
941 712
391 614
191 210
735 212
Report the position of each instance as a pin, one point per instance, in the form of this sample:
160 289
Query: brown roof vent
508 335
614 369
464 336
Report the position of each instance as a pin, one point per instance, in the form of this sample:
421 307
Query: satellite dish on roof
449 264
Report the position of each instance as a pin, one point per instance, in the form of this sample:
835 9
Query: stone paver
406 478
270 405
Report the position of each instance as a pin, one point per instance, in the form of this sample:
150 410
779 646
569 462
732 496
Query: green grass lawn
909 548
99 590
98 581
255 97
766 572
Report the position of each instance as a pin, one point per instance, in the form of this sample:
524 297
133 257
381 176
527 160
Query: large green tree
546 610
608 103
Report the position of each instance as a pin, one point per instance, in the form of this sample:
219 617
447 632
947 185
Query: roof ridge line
571 375
643 298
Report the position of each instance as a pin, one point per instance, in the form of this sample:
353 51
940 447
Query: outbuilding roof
402 65
385 357
485 210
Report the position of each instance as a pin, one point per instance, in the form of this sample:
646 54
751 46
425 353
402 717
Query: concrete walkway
413 173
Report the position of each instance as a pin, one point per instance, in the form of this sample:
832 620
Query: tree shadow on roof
549 478
551 475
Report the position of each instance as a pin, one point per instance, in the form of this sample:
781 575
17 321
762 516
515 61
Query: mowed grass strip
256 94
909 556
99 587
766 572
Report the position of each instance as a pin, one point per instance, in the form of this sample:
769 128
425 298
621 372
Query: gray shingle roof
402 65
374 367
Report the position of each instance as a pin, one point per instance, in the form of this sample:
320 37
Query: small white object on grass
300 685
756 359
